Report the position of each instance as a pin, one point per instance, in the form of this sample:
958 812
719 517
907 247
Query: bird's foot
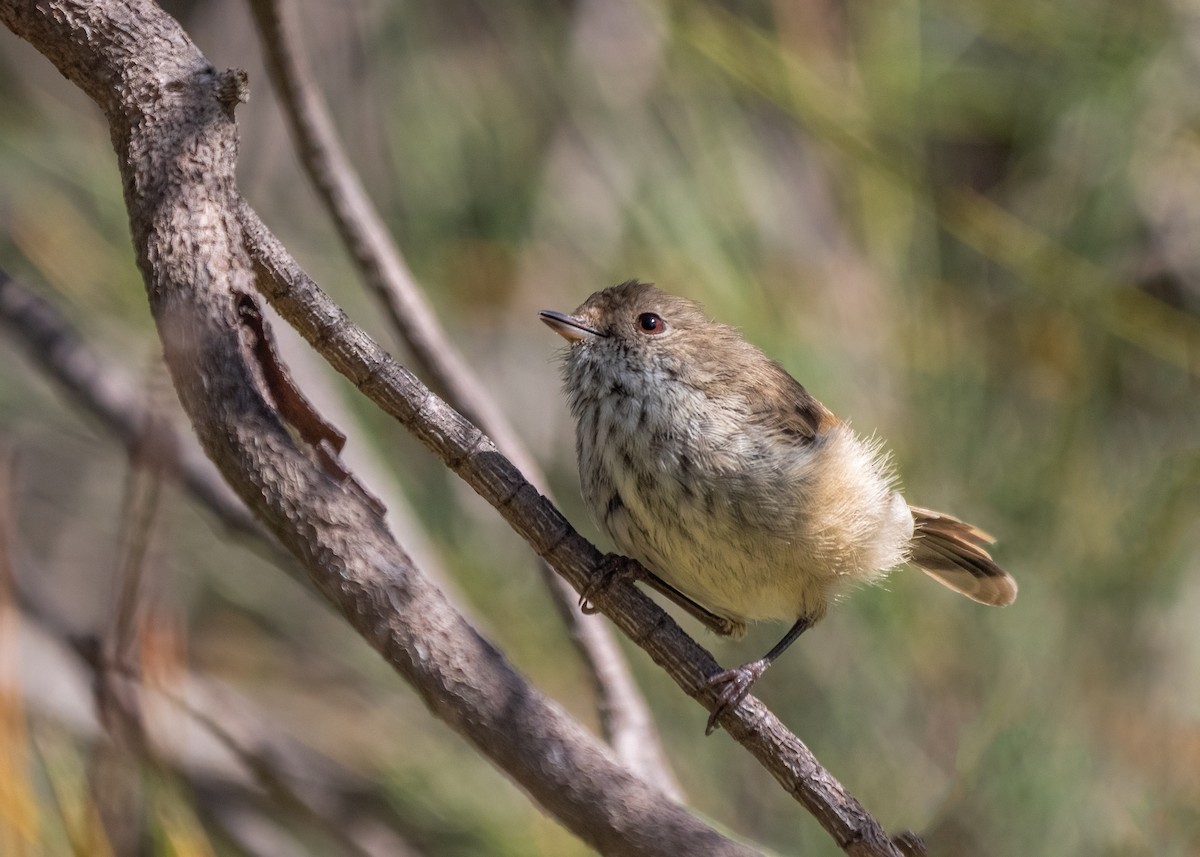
613 567
731 687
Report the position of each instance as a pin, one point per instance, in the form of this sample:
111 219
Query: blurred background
968 226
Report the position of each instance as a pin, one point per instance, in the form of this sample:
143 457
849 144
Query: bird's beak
567 326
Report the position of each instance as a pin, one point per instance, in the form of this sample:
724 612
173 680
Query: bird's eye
649 322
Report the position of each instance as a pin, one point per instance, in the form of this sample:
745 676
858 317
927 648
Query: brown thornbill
742 495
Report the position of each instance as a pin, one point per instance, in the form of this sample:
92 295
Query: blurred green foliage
968 226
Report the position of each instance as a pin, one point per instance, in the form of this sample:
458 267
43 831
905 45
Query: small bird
741 495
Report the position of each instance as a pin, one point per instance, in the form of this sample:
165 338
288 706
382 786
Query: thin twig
364 233
624 715
141 510
469 454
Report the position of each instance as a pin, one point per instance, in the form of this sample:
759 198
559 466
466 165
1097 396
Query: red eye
648 322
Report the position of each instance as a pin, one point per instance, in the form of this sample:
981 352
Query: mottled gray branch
170 115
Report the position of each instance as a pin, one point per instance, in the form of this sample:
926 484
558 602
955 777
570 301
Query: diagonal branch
624 715
171 120
476 460
364 233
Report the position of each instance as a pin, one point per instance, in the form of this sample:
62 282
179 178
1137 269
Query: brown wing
787 407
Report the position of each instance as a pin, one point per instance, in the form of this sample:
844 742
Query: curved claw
611 569
736 687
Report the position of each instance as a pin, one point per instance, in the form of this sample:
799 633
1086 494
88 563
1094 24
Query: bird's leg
735 684
717 624
615 567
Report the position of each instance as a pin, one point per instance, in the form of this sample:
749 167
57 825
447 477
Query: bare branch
176 146
476 460
366 236
624 715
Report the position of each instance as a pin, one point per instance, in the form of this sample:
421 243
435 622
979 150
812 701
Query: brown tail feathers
952 552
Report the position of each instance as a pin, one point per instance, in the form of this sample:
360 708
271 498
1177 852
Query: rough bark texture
171 119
